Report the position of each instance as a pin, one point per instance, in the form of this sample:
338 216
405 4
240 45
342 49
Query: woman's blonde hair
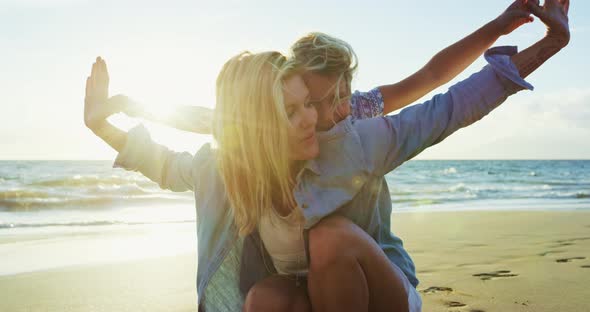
250 127
326 55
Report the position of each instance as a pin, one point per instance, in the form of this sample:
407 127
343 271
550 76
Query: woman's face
303 143
322 92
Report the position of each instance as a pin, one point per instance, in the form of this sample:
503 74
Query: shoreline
95 245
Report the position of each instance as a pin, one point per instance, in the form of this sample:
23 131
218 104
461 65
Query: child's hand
126 105
516 15
554 13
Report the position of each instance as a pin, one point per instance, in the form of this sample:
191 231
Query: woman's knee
334 239
276 294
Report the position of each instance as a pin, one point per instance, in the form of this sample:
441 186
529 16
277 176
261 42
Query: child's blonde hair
250 127
326 55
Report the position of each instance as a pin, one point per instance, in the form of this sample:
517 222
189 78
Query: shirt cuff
500 60
130 156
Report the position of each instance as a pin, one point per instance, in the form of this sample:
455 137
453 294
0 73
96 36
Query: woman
292 142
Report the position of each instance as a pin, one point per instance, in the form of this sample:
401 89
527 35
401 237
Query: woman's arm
451 61
137 152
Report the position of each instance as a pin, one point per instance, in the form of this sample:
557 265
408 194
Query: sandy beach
500 261
466 261
157 284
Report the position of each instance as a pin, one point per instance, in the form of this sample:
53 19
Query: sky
168 53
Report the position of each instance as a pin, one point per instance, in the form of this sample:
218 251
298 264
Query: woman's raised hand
554 14
96 107
516 15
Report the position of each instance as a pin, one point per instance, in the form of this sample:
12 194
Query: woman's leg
350 272
277 294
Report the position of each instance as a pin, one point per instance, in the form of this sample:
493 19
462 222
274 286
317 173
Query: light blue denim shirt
347 179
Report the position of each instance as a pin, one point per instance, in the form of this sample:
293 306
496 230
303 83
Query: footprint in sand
569 259
455 304
563 244
568 242
495 274
543 254
436 289
573 239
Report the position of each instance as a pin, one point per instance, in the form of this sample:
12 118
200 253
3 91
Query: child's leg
349 271
277 294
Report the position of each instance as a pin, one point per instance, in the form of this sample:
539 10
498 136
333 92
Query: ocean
56 214
38 194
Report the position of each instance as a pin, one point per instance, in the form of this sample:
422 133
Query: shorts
414 299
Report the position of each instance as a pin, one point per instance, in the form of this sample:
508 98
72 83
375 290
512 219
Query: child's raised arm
451 61
194 119
391 140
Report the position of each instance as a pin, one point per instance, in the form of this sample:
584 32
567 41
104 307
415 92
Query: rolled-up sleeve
389 141
171 170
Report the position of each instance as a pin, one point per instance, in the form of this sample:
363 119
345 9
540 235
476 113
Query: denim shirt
347 178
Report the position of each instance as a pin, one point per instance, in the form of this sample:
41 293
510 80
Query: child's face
322 91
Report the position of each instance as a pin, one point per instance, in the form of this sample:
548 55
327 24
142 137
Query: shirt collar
339 129
313 166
